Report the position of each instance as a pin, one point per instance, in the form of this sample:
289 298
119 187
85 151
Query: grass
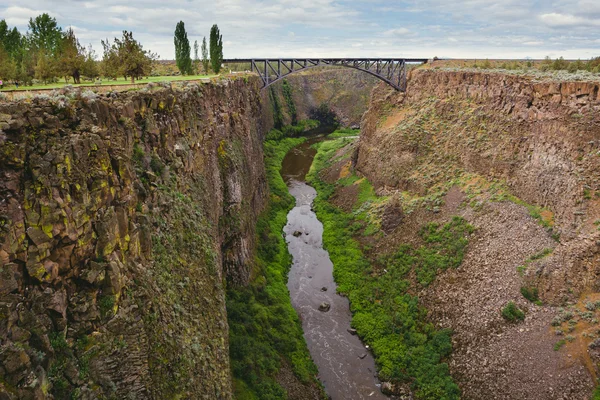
521 269
596 394
119 81
559 345
407 348
344 132
263 326
512 313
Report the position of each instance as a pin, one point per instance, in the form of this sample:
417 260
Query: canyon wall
346 91
519 158
121 218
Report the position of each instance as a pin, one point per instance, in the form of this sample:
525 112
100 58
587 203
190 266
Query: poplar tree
196 58
182 50
216 48
205 61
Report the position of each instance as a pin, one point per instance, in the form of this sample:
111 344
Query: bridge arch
390 70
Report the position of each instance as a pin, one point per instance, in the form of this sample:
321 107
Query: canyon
142 255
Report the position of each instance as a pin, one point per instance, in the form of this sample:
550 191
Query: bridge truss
390 70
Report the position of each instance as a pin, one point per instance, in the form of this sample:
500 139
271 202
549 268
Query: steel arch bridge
390 70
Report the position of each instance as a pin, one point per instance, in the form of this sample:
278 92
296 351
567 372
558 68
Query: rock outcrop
121 217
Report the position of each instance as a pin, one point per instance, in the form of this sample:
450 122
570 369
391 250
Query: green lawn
119 81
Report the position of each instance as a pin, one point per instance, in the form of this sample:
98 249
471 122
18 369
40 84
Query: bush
530 294
512 313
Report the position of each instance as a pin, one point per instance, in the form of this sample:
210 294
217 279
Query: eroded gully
346 367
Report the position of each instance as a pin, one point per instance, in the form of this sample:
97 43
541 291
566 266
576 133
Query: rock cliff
344 90
519 159
121 218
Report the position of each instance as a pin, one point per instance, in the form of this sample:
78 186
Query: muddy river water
346 367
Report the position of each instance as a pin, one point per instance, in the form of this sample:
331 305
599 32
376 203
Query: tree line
183 57
46 53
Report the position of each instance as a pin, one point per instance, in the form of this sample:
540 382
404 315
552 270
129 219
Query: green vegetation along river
346 367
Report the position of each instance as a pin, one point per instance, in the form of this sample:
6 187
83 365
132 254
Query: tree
216 48
8 69
130 57
90 65
196 58
205 61
13 43
44 34
71 56
182 50
45 68
110 60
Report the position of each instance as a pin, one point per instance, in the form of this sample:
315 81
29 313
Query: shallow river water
346 367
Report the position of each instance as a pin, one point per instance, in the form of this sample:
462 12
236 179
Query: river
346 367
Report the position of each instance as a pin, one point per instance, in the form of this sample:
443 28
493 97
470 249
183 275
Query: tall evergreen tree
182 50
45 34
71 56
216 48
196 58
8 69
205 61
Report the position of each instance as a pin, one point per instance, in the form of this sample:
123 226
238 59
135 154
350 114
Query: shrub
156 165
512 313
560 64
530 294
559 344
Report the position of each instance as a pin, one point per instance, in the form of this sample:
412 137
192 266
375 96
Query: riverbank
269 358
409 351
346 368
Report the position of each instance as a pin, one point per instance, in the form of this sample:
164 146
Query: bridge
390 70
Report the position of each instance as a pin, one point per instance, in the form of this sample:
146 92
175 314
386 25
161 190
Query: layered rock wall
540 138
346 91
121 218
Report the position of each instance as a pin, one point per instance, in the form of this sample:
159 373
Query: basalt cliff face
520 160
121 217
345 91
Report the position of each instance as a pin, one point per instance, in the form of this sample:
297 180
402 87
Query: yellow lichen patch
345 170
221 150
68 163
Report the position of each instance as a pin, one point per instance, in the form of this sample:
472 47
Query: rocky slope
121 216
519 159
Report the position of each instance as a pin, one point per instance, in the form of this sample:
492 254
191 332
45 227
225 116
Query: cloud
556 20
344 28
19 16
396 32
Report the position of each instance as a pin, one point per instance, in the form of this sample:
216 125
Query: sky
329 28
